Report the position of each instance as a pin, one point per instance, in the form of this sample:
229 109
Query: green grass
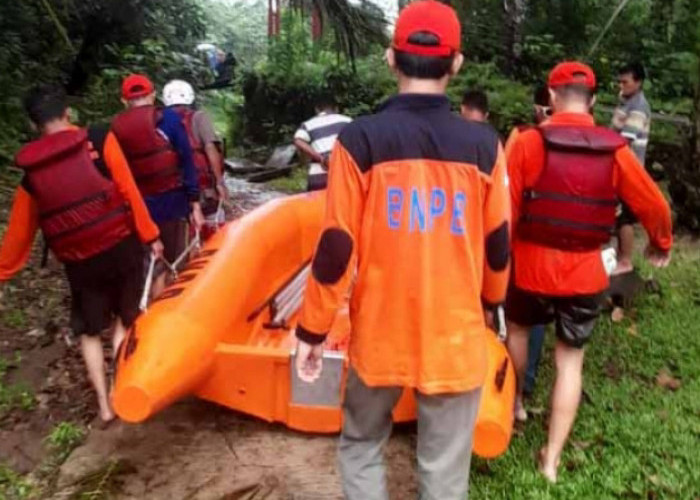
294 183
13 486
14 318
14 396
632 438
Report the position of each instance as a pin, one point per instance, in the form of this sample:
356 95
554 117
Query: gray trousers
444 448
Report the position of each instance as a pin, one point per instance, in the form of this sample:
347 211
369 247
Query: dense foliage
87 46
509 45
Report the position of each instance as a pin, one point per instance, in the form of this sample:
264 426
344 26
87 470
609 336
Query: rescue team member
418 202
78 189
206 147
156 146
559 229
632 118
475 106
541 110
316 137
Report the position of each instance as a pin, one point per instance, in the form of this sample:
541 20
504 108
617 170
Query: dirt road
196 450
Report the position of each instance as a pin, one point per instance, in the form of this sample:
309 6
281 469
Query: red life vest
81 212
572 204
154 162
205 173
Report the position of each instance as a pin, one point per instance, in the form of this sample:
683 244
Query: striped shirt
632 118
320 132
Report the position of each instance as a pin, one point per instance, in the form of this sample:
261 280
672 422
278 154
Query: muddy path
194 450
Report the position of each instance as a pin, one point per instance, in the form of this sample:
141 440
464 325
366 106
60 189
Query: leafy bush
86 46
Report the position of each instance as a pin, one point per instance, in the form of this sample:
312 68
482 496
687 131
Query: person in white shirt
316 137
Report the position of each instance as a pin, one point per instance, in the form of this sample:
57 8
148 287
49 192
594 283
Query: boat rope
172 267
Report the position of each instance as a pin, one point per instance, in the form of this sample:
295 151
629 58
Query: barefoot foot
547 467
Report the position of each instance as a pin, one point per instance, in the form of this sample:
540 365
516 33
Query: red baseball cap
135 86
572 73
432 17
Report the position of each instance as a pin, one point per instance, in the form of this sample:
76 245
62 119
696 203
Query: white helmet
178 92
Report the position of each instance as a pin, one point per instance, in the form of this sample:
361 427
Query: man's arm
515 160
121 175
633 124
335 254
302 141
207 137
497 215
306 149
639 191
21 228
512 137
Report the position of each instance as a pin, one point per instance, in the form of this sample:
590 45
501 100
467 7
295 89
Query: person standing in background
475 106
632 118
316 138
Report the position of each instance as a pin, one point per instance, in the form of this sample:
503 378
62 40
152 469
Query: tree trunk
273 18
316 24
515 18
696 115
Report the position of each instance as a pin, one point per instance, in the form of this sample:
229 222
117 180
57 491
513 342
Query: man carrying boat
158 150
418 202
78 189
206 148
541 111
559 229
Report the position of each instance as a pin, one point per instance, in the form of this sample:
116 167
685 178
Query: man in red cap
418 209
157 147
565 180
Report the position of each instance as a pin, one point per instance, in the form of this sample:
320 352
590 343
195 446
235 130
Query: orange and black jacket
554 272
418 208
24 218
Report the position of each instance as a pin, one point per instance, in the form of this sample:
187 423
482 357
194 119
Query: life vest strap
102 195
121 210
553 221
531 194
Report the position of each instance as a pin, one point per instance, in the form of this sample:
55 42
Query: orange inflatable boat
224 331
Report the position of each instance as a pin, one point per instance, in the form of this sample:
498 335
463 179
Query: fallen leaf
667 381
654 479
36 332
632 330
538 410
612 371
618 314
582 445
